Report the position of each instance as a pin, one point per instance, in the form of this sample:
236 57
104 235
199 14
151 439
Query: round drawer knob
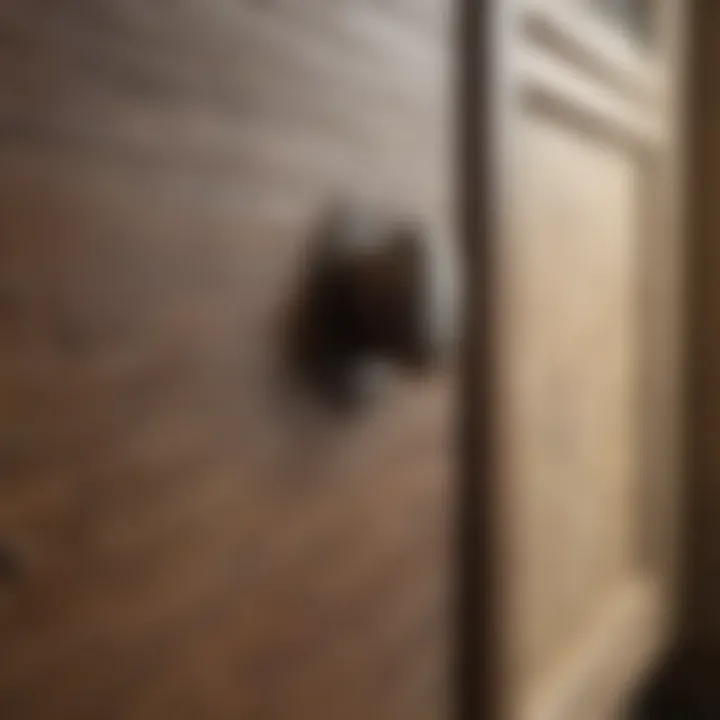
380 293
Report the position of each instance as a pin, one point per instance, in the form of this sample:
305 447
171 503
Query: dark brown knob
380 293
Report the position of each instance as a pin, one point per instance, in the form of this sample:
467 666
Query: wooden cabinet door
585 294
182 535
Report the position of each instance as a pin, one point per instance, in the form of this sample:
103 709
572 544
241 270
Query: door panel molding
596 51
559 91
588 674
574 77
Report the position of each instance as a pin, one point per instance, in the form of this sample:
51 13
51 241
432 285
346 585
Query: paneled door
584 301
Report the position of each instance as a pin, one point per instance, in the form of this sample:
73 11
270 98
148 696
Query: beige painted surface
586 355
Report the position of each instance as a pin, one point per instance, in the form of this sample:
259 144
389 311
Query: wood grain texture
194 540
